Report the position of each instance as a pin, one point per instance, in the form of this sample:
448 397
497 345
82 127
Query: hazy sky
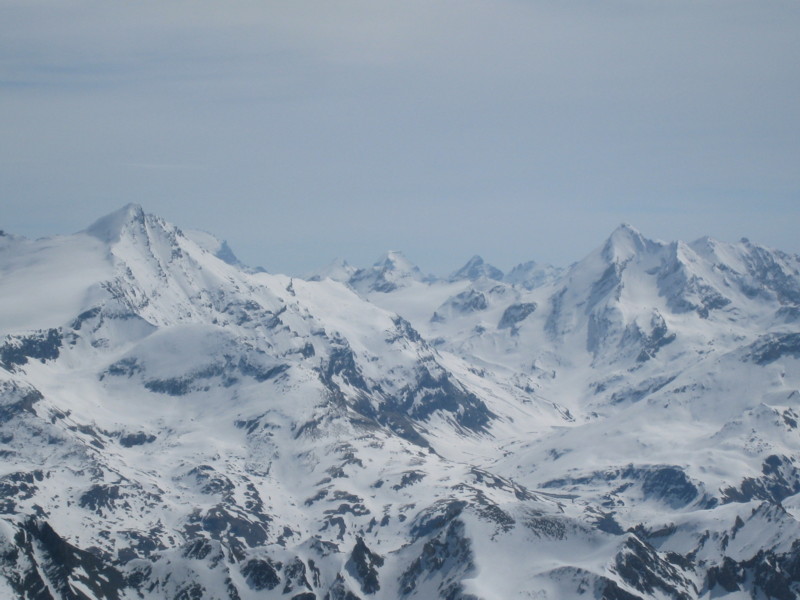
305 130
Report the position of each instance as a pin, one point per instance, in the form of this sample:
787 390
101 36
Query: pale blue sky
305 130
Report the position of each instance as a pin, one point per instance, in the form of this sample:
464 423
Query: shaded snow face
173 424
475 269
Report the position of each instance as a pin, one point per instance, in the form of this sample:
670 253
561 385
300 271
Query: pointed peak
625 242
392 257
338 270
626 230
705 245
395 261
476 262
391 271
476 268
707 240
110 227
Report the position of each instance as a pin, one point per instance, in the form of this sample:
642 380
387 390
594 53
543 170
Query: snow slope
176 425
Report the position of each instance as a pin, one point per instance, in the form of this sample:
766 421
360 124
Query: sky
305 130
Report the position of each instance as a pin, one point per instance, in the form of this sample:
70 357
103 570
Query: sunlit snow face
175 422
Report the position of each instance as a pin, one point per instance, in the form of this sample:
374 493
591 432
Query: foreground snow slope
175 425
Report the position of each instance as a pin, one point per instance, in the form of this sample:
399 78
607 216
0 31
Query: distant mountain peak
476 268
338 270
625 242
395 260
110 227
390 271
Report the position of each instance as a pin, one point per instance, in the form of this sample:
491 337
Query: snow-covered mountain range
176 425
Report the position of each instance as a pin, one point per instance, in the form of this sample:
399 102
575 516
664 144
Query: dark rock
607 523
774 346
409 478
197 549
436 516
670 485
18 486
124 367
261 574
767 575
130 440
295 573
640 566
85 316
546 527
141 544
339 591
780 480
363 565
43 345
45 562
610 590
448 554
439 393
102 497
728 576
211 482
193 591
334 521
466 302
17 401
666 483
650 343
404 330
515 314
495 481
342 363
234 529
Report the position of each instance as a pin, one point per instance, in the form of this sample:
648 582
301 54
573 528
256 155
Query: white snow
232 389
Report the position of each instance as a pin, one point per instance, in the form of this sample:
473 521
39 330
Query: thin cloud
500 122
161 166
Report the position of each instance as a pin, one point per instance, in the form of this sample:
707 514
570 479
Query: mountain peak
110 227
625 242
476 268
391 271
395 260
626 231
338 270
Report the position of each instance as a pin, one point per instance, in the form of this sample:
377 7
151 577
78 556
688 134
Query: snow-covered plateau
175 425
